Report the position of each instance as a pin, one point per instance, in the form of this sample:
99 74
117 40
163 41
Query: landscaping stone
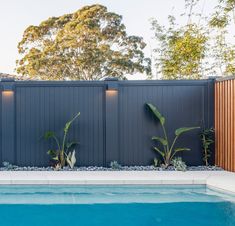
100 168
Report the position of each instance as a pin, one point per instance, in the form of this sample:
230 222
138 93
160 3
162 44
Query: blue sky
17 15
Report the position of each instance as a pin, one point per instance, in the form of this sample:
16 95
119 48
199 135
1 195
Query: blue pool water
115 206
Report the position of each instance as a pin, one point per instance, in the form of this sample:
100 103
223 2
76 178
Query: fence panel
114 123
183 103
41 108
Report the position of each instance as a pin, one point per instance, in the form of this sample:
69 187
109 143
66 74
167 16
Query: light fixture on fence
112 84
7 86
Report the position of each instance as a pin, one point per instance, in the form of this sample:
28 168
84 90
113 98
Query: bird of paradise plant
168 150
61 155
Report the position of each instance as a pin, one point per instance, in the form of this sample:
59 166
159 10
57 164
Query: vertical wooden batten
225 123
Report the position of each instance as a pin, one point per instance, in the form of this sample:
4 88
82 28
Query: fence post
8 121
111 124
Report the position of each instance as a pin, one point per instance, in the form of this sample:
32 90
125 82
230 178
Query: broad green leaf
182 149
156 113
179 131
71 144
68 124
52 153
56 158
161 140
160 152
49 134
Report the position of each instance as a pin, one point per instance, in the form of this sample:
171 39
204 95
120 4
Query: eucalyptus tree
89 44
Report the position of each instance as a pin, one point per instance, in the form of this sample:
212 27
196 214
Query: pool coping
222 180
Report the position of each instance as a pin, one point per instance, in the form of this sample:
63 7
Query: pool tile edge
222 180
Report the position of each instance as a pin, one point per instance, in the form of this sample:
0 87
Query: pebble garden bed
97 168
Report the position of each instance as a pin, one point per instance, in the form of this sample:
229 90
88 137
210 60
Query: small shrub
207 138
8 165
115 165
178 164
156 162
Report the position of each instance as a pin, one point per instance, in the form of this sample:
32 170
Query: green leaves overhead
202 47
180 51
88 44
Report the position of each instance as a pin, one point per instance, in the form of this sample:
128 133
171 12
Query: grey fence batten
113 125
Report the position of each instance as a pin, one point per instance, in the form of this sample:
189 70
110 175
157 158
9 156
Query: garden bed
98 168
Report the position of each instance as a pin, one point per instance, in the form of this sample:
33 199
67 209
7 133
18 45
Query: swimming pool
115 206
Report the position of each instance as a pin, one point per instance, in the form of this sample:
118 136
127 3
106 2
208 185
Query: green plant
178 164
207 138
71 159
168 150
8 165
115 165
156 162
61 155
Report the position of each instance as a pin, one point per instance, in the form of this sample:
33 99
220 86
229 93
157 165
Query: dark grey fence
114 123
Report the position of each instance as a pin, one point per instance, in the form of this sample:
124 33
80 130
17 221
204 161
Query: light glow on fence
111 92
7 93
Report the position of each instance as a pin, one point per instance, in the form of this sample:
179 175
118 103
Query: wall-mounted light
7 86
112 84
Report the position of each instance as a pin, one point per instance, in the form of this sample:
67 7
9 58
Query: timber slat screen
225 123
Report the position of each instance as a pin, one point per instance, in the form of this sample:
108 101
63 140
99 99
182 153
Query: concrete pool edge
222 180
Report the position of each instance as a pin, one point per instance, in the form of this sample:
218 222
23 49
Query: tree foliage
223 52
89 44
181 51
224 14
199 48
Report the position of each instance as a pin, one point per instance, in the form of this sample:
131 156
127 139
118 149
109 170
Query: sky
17 15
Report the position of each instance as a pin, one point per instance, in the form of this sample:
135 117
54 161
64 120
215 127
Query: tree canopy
198 48
181 51
90 44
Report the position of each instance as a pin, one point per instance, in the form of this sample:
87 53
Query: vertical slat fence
225 123
114 124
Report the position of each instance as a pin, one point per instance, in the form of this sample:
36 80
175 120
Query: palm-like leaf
71 144
179 131
68 124
49 134
182 149
159 151
161 140
156 113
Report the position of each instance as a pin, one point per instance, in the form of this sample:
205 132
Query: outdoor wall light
7 86
112 84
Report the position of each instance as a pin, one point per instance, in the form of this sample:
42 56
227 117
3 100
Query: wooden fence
225 123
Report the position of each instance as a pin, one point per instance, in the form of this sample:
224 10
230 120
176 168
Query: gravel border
99 168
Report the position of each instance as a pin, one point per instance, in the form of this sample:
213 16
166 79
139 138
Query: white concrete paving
222 180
